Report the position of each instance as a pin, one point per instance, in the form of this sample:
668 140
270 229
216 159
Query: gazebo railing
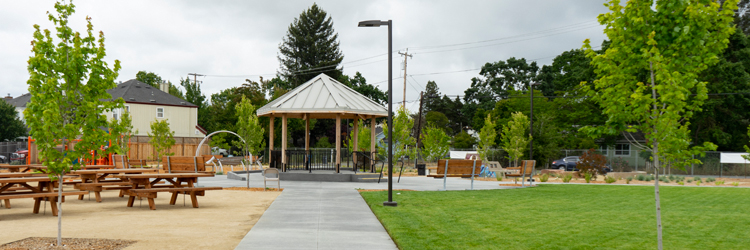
313 159
364 162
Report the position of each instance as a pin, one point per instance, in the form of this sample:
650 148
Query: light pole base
390 204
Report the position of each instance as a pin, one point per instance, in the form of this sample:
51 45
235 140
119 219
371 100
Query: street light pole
531 119
389 23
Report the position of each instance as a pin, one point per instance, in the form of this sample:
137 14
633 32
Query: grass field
567 217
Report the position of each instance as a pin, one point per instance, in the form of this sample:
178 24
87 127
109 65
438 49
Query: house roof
323 97
134 91
19 102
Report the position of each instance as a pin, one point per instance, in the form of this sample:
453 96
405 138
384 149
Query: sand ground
223 219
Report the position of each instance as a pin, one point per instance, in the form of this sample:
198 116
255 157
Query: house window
603 150
116 114
159 112
622 149
127 108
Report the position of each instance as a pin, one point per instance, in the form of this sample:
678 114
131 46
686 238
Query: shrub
627 180
567 177
719 183
689 180
499 177
696 178
609 179
710 179
219 173
663 179
681 183
592 163
671 177
698 183
641 177
587 176
735 184
544 178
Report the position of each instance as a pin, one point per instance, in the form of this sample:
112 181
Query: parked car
219 151
3 159
569 164
19 156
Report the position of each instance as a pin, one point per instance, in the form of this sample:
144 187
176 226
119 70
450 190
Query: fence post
692 172
636 160
721 169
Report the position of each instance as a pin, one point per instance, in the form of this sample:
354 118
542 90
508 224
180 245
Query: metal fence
7 148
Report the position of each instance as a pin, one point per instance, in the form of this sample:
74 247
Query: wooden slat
187 189
165 175
39 195
102 184
459 167
114 171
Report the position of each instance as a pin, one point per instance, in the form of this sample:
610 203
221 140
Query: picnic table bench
143 186
43 191
457 168
96 180
123 161
185 164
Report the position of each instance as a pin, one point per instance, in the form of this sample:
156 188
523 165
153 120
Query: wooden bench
38 197
526 169
123 161
185 164
151 193
458 168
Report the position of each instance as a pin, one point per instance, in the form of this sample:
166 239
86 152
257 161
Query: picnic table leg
173 200
53 204
151 203
194 199
7 203
131 195
37 202
98 196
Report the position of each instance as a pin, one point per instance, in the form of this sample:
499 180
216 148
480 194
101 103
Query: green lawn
567 217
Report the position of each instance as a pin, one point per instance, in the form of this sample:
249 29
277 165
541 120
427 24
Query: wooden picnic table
143 186
43 169
44 190
96 180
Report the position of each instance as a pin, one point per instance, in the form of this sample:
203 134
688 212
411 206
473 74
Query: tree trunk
654 111
59 208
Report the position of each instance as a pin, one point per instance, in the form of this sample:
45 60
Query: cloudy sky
229 41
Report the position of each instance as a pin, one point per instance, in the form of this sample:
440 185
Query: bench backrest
494 166
120 161
184 163
458 166
528 166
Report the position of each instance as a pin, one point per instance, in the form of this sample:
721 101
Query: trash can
420 169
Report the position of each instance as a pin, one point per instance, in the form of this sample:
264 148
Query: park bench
457 168
526 169
123 161
185 164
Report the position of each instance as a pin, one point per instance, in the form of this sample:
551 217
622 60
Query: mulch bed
68 243
252 189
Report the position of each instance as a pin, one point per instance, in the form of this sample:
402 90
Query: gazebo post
338 143
307 143
356 141
283 142
373 150
270 140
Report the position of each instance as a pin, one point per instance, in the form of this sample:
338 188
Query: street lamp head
372 23
535 83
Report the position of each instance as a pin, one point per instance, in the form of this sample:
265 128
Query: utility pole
405 54
419 127
195 77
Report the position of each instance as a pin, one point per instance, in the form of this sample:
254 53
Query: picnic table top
16 174
24 179
113 171
32 166
166 175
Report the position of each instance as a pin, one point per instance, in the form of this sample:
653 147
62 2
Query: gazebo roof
323 97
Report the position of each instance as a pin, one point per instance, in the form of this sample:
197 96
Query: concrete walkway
328 215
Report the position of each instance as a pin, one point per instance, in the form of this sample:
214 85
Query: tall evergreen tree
310 47
431 96
10 125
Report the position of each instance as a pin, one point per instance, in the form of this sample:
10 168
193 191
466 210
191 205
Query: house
146 104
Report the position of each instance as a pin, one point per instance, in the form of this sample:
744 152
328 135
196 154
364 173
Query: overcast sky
230 41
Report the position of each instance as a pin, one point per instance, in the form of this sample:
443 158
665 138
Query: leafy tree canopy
11 125
359 83
463 140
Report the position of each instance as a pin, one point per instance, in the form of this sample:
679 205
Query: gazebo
322 98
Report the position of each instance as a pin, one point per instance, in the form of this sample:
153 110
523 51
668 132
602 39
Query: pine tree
310 47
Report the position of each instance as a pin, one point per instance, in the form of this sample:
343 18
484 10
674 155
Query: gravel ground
68 243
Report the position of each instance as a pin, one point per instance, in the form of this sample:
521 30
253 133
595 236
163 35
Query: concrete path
328 215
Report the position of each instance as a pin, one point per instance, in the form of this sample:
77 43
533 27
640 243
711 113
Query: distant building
19 102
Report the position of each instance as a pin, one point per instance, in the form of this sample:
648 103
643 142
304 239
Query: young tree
311 47
649 73
249 128
162 139
436 143
463 140
402 139
10 125
122 129
514 137
487 137
363 138
68 82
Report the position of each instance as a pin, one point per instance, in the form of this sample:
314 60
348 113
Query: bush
499 177
593 163
609 179
671 177
696 178
219 173
640 177
567 177
689 180
663 179
735 184
719 183
681 183
710 179
627 180
544 178
587 176
698 183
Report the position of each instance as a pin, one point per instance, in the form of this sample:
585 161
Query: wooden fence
142 150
